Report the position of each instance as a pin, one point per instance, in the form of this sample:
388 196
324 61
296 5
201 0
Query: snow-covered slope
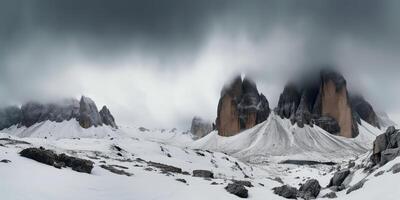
276 139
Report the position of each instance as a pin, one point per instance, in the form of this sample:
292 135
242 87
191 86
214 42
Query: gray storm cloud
158 63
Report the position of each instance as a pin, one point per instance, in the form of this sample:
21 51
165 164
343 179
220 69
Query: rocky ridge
84 111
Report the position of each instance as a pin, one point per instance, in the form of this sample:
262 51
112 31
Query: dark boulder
330 195
203 173
40 155
395 168
286 191
77 164
115 170
165 168
386 146
311 188
48 157
88 114
5 161
338 178
237 189
357 186
107 118
244 183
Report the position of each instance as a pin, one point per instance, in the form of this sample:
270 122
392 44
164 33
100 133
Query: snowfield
253 155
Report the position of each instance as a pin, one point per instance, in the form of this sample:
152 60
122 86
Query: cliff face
335 103
200 128
84 111
240 107
364 110
324 102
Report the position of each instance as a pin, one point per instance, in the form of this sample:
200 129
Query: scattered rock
330 195
115 170
50 158
181 180
5 161
311 188
357 186
286 191
143 129
395 168
203 173
244 183
339 177
237 189
379 173
165 168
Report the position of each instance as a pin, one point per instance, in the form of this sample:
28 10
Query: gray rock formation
323 101
237 189
88 114
10 116
107 118
310 189
203 173
31 113
286 191
200 128
240 107
364 110
338 178
386 146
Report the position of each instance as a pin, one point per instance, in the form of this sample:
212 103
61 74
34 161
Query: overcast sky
159 63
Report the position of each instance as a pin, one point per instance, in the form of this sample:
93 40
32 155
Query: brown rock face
334 102
323 101
240 107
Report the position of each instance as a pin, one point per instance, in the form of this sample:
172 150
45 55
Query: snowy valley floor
134 152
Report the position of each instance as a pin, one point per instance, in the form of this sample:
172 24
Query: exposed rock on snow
203 173
115 170
357 186
237 189
286 191
386 146
32 113
165 168
364 110
310 189
244 183
330 195
323 101
88 114
395 168
240 107
107 118
48 157
338 178
200 127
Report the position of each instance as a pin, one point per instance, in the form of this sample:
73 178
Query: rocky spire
240 107
88 114
107 118
324 102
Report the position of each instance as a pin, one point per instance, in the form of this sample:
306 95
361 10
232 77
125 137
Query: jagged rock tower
240 107
326 103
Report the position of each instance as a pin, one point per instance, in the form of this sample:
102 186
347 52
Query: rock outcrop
107 118
323 101
30 113
88 114
240 107
10 116
386 146
364 110
200 128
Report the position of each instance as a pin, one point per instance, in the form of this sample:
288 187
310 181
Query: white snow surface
252 155
277 139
